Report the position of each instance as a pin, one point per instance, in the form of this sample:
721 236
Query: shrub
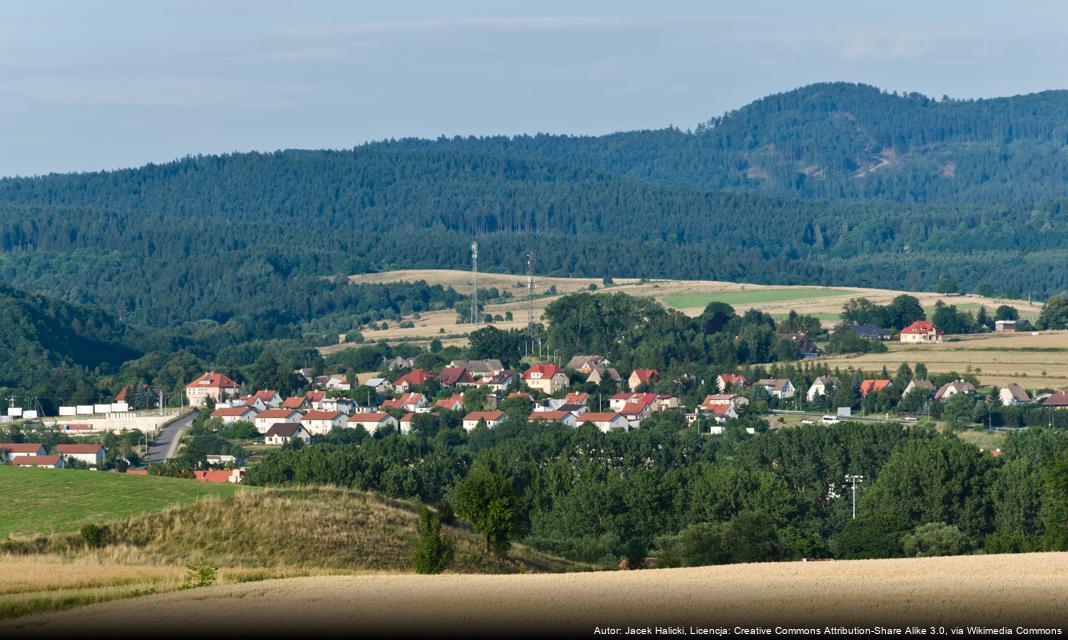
201 574
433 552
934 539
874 535
94 535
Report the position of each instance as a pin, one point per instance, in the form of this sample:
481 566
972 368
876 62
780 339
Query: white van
829 420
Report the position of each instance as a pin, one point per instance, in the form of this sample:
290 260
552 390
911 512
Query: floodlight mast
854 479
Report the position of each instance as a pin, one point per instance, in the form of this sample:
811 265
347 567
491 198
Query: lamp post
854 479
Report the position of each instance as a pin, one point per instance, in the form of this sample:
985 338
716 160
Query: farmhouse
492 419
1013 394
321 422
264 420
921 331
640 377
821 386
9 451
778 388
212 385
91 454
547 378
42 462
231 415
874 386
372 422
950 389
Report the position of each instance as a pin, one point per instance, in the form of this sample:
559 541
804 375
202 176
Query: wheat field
994 590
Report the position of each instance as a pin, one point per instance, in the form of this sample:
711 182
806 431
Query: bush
934 539
874 535
201 574
94 535
433 552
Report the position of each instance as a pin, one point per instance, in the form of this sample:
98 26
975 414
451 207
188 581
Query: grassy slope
700 300
40 501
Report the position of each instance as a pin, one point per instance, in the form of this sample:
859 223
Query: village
585 391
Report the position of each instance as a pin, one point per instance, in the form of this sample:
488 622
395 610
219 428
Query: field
993 590
689 296
38 501
1032 361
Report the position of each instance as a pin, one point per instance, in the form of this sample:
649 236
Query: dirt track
1009 590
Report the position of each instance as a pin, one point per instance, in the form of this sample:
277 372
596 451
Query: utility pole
854 479
474 283
530 299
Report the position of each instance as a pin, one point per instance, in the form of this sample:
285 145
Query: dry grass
823 302
1001 590
1033 361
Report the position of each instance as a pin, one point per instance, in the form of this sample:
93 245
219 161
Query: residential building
399 364
479 369
778 388
921 331
372 422
212 385
220 460
874 386
266 419
11 450
1013 394
90 454
231 415
499 381
728 382
547 378
1005 326
605 420
406 422
220 476
1058 400
454 402
416 402
380 386
452 376
270 398
297 403
640 377
492 419
414 378
725 399
322 422
917 384
41 462
586 364
950 389
620 400
604 375
564 417
720 412
822 386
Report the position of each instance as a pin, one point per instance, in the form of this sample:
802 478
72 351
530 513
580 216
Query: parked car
830 420
808 421
909 419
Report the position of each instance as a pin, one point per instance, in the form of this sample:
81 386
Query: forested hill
836 140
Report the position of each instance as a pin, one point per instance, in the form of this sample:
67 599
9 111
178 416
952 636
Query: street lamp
854 479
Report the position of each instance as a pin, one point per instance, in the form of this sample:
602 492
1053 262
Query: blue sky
100 85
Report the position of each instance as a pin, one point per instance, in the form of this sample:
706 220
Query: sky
110 84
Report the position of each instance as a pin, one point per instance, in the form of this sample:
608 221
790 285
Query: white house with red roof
454 402
41 462
492 418
868 387
720 412
620 400
372 422
216 386
231 415
297 403
11 450
921 331
91 454
322 422
413 378
728 382
414 401
269 398
565 417
547 378
605 420
638 377
266 419
717 399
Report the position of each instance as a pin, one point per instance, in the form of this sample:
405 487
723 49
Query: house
547 378
231 415
220 460
1013 394
90 454
479 369
336 382
406 422
822 386
252 402
727 382
605 420
868 331
919 384
1057 400
640 377
220 476
372 422
564 417
725 399
720 412
315 399
452 403
778 388
11 450
380 386
499 381
492 419
874 386
344 405
130 391
665 401
577 397
950 389
321 422
806 347
212 385
414 378
452 376
416 402
269 398
635 412
399 364
586 364
604 375
266 419
921 331
1005 326
620 400
41 462
297 403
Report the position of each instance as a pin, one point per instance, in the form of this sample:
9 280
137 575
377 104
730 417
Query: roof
408 417
576 397
31 461
602 371
719 399
451 401
922 384
1018 393
645 375
599 416
374 382
315 396
283 429
547 370
1059 399
226 412
551 416
21 447
774 383
321 415
212 380
275 413
869 386
295 402
733 378
827 380
478 366
453 375
266 395
632 408
488 416
719 409
78 448
958 386
577 362
212 476
921 327
363 418
414 377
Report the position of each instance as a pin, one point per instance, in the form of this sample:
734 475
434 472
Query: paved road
166 443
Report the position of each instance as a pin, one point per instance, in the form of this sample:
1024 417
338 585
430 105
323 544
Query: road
165 444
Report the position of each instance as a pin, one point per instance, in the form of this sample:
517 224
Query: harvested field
993 590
